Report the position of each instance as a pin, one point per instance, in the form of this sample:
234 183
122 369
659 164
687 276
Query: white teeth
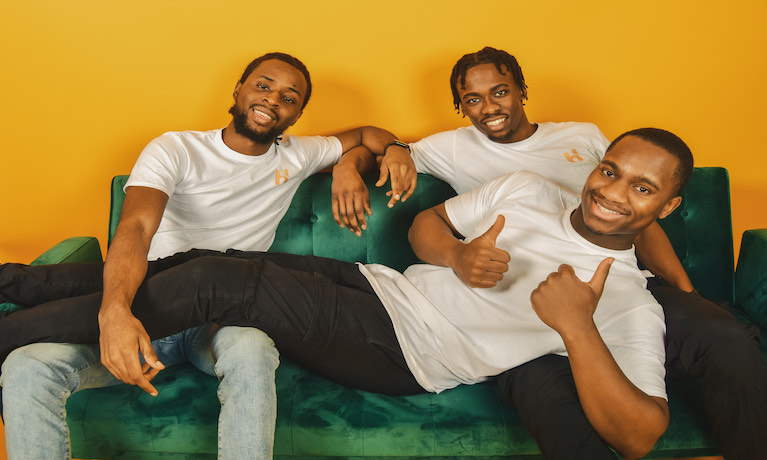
495 123
258 112
605 210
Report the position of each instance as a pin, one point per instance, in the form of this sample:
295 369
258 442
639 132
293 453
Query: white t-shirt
452 334
219 198
565 153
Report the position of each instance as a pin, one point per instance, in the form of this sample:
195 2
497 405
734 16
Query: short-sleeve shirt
564 153
220 198
452 334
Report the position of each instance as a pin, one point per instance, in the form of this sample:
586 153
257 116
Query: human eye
262 86
642 189
472 100
607 173
289 100
501 93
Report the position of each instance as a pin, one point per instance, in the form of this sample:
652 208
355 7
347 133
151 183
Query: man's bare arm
350 198
629 420
397 164
478 264
121 334
654 249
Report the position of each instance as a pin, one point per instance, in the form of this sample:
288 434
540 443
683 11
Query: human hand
564 302
479 264
121 336
350 199
398 166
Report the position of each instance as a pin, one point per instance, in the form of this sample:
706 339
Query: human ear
669 207
236 92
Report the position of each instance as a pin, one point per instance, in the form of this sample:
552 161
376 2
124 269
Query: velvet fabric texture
319 419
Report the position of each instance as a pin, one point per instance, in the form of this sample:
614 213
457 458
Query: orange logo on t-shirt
573 157
280 177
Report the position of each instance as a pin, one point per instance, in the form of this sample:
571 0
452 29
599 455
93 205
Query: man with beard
219 189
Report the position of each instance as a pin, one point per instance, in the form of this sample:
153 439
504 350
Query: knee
729 344
244 350
729 353
540 386
34 369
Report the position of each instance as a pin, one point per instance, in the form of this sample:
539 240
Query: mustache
611 205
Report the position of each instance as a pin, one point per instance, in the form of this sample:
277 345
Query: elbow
635 452
642 443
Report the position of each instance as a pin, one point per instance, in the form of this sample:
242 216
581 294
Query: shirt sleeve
161 165
319 152
597 142
468 210
434 155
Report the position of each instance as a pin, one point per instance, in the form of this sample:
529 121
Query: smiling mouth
262 116
495 123
607 211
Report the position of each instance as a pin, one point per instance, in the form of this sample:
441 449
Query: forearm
375 139
629 420
654 250
358 159
126 262
124 269
433 240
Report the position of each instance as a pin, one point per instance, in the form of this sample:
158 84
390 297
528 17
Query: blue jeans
37 380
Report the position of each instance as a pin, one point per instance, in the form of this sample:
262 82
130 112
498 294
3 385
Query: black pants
703 340
322 313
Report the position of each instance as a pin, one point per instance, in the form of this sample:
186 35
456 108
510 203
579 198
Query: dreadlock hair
503 61
672 144
286 58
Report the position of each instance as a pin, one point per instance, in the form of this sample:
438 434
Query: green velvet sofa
319 419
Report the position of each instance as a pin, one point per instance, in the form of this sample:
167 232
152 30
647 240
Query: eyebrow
642 178
290 88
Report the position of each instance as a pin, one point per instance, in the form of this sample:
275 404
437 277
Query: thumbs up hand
567 304
479 264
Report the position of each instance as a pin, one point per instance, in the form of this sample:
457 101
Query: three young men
374 328
489 88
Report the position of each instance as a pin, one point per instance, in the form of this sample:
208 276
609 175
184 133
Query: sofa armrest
751 277
77 249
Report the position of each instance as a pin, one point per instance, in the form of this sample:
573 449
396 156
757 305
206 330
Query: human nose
490 106
270 98
614 191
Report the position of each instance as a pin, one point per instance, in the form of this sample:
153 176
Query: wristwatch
399 143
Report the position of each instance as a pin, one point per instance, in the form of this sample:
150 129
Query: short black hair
669 142
486 55
288 59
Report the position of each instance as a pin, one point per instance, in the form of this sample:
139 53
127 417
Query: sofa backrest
308 226
700 229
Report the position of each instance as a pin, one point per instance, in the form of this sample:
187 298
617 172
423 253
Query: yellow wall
85 84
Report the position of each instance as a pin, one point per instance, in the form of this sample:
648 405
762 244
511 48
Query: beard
240 120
